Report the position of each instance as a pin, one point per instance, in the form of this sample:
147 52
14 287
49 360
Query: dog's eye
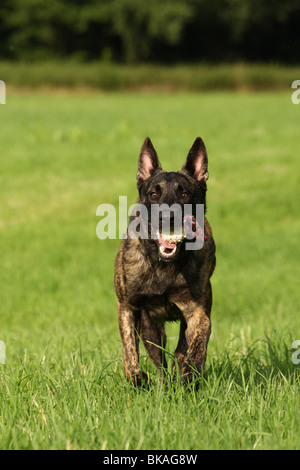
184 194
154 195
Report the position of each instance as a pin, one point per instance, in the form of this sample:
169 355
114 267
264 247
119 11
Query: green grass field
62 387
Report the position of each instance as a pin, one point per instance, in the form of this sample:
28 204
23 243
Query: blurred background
168 31
138 33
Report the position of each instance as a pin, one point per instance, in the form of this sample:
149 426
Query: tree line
160 31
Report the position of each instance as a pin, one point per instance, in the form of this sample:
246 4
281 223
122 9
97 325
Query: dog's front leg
193 343
129 330
197 336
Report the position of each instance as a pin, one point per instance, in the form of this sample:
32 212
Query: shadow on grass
261 365
265 361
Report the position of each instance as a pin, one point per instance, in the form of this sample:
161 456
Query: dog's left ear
196 162
148 162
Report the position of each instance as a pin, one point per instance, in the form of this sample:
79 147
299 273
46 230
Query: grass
109 76
62 387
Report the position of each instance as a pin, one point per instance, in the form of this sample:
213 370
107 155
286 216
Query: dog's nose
166 217
166 221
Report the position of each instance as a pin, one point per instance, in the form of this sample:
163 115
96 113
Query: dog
158 280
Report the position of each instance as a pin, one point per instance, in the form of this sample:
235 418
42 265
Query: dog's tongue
166 244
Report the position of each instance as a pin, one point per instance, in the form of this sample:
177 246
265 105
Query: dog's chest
157 280
152 292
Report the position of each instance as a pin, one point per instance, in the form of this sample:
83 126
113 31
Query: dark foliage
159 31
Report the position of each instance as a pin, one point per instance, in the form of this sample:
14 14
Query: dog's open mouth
168 243
168 246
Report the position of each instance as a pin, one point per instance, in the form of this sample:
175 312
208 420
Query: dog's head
167 190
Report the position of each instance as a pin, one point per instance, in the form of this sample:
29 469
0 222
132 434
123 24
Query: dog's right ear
148 162
196 162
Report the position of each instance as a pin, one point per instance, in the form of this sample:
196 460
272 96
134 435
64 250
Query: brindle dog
158 281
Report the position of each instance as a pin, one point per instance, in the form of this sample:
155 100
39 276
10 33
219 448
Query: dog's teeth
173 238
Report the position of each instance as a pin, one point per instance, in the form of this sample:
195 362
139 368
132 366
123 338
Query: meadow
109 76
62 155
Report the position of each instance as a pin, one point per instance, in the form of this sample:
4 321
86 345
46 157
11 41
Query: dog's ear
148 162
196 162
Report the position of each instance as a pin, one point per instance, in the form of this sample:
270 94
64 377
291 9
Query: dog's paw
138 379
191 375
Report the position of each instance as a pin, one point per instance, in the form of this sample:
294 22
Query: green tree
153 30
139 23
